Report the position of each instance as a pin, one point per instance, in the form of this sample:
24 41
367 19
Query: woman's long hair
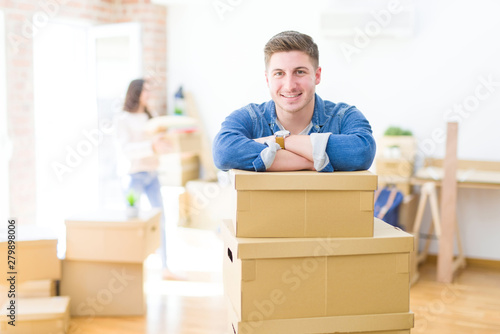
132 99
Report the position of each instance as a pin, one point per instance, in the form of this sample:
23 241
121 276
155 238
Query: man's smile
290 96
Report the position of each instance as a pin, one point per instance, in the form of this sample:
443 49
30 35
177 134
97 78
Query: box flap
29 309
337 324
30 233
303 180
111 219
29 244
386 239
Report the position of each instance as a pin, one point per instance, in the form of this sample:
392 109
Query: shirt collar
319 117
303 132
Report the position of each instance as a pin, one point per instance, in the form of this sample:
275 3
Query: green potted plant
397 131
397 143
132 210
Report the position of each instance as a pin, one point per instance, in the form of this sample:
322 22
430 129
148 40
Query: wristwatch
280 137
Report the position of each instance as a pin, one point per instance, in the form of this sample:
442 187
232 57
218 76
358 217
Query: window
116 53
81 73
65 117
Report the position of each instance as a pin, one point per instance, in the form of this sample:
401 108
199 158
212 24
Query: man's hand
288 161
300 145
296 156
263 140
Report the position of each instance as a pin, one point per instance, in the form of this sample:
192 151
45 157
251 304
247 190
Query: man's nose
289 82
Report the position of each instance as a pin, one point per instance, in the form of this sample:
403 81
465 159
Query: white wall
412 81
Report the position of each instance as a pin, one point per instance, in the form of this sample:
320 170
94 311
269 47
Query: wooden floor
471 305
195 306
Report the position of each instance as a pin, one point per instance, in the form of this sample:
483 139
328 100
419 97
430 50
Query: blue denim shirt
350 147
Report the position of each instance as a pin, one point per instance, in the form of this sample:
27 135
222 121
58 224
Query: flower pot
132 211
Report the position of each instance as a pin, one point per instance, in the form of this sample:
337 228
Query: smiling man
296 130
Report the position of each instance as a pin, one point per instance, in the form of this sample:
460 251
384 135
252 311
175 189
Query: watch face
282 133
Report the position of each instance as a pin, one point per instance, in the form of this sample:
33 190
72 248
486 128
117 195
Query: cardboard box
303 204
35 254
110 236
396 167
104 288
414 273
185 141
38 315
3 294
407 213
285 278
406 147
390 323
37 289
177 169
204 205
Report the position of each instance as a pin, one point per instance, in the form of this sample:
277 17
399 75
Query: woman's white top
135 143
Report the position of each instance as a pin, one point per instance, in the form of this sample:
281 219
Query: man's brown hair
292 41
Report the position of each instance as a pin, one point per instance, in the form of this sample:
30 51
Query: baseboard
493 264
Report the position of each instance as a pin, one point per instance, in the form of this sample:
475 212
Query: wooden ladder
428 193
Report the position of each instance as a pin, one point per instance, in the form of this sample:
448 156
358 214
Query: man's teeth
295 95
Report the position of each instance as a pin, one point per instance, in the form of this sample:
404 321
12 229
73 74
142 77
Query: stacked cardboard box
36 253
396 155
39 316
185 142
36 269
304 254
303 204
183 164
204 205
177 169
395 161
38 289
104 266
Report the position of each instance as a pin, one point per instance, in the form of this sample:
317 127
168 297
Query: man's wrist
280 137
289 142
301 145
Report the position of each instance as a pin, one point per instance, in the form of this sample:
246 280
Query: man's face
292 79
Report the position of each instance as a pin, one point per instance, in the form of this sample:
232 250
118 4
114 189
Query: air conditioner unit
383 22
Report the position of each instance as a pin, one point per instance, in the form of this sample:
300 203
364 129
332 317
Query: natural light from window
66 166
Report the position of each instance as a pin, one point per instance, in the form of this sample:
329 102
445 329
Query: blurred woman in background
139 151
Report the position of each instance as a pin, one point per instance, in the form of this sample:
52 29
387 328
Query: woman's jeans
148 183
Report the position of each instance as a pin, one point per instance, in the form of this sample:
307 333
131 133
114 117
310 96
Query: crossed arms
350 145
296 156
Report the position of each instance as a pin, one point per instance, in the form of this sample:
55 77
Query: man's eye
278 74
301 72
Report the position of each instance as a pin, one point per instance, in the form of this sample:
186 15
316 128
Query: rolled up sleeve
234 147
354 147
